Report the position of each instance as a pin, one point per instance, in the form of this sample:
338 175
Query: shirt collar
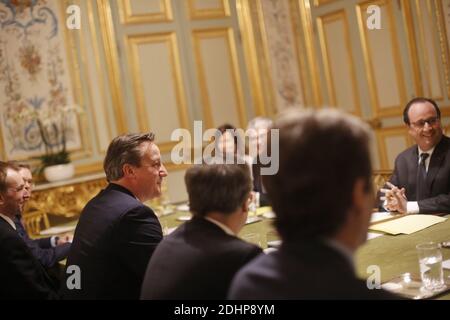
9 220
430 152
221 226
346 252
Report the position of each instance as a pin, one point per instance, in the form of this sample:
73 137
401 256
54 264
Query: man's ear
246 204
410 130
2 198
128 170
360 195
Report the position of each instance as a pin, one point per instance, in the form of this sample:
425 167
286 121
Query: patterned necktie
421 177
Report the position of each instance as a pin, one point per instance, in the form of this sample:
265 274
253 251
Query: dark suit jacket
42 249
113 242
312 270
258 186
437 181
21 275
197 261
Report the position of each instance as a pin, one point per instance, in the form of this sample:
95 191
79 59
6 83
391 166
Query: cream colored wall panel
175 186
153 59
381 53
391 141
393 144
338 62
219 82
208 4
144 11
208 9
139 7
429 50
382 60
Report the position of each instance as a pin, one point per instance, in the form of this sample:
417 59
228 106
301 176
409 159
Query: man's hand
64 238
395 198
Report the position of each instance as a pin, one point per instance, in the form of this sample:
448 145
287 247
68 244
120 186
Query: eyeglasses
421 123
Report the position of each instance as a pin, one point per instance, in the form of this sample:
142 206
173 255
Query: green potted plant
53 127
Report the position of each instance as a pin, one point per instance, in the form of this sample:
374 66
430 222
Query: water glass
430 262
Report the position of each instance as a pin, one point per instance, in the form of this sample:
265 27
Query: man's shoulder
407 152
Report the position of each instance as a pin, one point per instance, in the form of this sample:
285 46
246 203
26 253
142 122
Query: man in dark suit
50 250
322 198
21 275
117 234
421 179
199 259
257 130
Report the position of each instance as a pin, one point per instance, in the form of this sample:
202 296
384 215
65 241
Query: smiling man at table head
117 234
322 197
421 179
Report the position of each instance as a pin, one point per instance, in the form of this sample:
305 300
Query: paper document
373 235
407 224
57 230
262 210
379 216
446 264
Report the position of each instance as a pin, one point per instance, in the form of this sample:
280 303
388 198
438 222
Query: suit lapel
435 163
412 180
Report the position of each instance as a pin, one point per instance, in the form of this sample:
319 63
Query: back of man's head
322 155
220 188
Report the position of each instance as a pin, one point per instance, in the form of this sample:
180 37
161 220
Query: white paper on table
57 230
446 264
373 235
379 216
408 224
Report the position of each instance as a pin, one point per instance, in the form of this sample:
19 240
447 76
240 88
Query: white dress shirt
413 206
221 226
9 220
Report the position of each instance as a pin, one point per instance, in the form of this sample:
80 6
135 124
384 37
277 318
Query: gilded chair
35 221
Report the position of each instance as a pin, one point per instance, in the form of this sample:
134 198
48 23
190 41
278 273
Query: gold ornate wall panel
318 3
443 26
220 84
145 11
67 200
382 60
338 61
104 131
247 28
305 15
208 9
158 87
429 48
280 48
113 64
408 26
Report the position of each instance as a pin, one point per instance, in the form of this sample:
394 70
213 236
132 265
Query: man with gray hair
117 234
257 130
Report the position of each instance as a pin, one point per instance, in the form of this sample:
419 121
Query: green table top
394 255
